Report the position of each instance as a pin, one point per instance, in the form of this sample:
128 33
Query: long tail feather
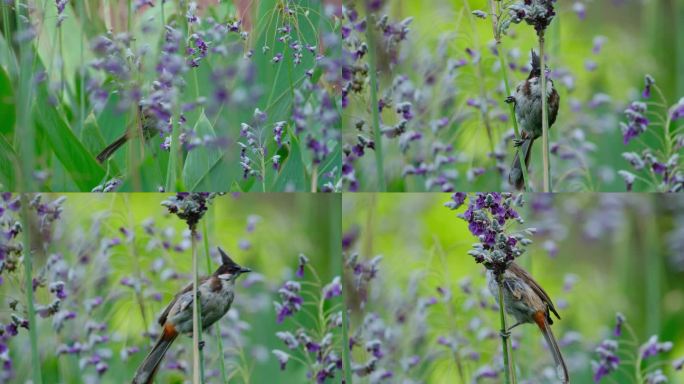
148 369
111 148
561 368
515 177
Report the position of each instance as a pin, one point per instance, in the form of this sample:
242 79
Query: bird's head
229 269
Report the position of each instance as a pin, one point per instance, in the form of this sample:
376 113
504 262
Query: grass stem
375 112
509 370
197 366
504 74
545 121
28 287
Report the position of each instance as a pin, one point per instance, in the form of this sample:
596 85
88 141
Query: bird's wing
165 314
535 287
554 102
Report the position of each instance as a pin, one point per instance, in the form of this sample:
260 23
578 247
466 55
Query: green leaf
292 175
7 108
200 159
81 165
8 162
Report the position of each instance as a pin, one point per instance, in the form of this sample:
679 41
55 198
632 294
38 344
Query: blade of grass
26 141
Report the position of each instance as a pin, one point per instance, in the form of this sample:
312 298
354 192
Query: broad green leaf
292 175
7 108
201 158
146 178
8 162
81 165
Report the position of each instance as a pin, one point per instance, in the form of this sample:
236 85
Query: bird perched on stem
147 126
527 302
216 294
528 112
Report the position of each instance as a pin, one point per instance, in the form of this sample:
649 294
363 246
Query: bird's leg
513 326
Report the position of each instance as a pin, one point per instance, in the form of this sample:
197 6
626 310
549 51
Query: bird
216 294
148 125
528 111
527 302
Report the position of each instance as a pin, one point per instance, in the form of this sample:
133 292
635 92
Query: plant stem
509 370
197 366
175 159
219 340
375 112
545 121
28 286
314 179
504 75
480 75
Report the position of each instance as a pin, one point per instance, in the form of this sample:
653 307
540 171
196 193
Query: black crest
536 65
227 264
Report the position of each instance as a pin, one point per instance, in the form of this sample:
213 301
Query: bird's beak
244 270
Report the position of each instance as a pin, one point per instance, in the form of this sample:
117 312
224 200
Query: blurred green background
641 37
616 248
286 225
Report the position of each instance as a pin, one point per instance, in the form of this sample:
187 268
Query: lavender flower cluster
609 351
318 347
189 207
660 167
488 215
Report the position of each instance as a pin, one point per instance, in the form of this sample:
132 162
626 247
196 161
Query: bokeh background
595 254
598 54
128 251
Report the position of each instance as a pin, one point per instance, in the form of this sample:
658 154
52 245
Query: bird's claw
201 345
505 334
510 99
518 142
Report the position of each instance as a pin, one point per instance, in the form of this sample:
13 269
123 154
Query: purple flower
608 359
333 289
649 82
652 347
291 300
457 199
636 124
282 357
303 260
619 321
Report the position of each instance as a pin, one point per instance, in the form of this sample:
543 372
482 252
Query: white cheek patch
225 276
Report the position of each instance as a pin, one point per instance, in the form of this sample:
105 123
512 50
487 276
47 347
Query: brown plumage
528 302
216 294
528 112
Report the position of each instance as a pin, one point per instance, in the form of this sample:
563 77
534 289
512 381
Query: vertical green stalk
24 124
175 166
81 15
509 370
375 113
679 43
28 287
545 121
8 39
504 74
197 366
219 340
654 265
